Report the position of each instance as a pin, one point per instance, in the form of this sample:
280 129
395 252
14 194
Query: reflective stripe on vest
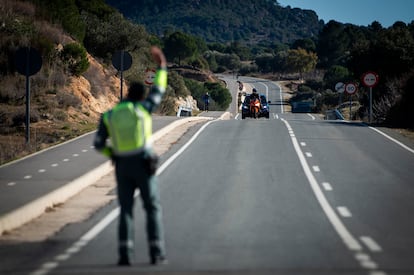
130 128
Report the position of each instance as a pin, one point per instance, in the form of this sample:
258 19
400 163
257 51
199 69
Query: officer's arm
100 140
160 82
157 90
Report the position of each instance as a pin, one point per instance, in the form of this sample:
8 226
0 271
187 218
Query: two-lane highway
287 195
240 199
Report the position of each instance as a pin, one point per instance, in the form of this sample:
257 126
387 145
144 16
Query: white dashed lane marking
344 212
42 170
377 272
371 244
327 186
353 244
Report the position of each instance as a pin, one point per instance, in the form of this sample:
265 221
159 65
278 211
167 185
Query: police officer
128 126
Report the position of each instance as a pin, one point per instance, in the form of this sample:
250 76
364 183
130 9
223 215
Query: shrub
75 58
19 117
219 94
176 82
167 105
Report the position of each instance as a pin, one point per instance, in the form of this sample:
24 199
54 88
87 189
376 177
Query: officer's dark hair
136 91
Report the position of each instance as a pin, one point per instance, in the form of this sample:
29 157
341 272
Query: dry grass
42 135
406 132
18 7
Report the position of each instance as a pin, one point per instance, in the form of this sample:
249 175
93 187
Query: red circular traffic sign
351 88
370 79
149 76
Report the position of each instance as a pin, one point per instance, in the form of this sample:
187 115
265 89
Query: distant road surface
292 194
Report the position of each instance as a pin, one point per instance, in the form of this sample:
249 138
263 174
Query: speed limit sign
351 88
370 79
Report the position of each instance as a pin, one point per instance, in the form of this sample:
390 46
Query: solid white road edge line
350 241
392 139
281 98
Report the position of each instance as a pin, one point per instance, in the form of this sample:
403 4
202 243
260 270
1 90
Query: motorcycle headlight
245 107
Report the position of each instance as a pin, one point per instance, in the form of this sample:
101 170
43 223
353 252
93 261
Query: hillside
76 83
252 21
63 104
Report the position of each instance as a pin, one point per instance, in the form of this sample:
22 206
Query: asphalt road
287 195
26 180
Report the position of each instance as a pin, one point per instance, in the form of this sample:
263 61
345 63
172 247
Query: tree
307 44
334 75
264 62
301 61
210 57
122 34
222 61
333 45
279 62
65 12
180 46
219 94
242 51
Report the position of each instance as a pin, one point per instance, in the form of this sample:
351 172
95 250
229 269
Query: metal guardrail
334 115
339 114
184 111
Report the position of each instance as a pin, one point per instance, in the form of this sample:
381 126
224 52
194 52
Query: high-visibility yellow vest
130 128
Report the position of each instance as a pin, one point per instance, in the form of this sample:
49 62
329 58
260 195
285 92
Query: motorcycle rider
255 93
255 105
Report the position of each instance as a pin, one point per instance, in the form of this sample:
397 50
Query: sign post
28 62
351 89
370 79
122 61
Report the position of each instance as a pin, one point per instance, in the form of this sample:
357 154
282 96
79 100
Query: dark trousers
131 173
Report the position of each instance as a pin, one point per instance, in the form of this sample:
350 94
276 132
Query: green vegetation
254 21
256 37
347 52
245 37
74 56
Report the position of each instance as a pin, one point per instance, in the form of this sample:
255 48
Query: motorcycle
254 107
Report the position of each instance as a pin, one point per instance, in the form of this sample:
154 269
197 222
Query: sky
358 12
